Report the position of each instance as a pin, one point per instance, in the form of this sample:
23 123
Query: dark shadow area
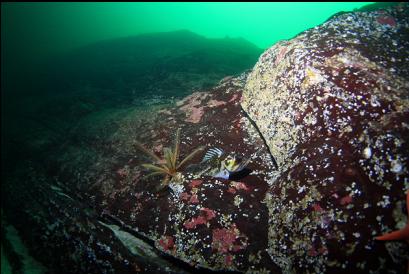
240 175
43 104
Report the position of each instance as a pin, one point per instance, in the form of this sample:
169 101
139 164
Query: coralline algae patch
199 103
332 105
221 229
216 232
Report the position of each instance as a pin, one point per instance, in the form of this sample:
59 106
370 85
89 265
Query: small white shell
367 153
396 166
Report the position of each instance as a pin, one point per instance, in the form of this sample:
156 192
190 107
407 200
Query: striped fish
223 165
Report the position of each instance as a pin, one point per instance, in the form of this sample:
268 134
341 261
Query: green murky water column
32 30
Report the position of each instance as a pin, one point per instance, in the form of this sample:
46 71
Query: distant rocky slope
133 71
324 118
161 64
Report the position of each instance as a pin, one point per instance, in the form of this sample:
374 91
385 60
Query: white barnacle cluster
353 189
238 200
367 152
384 202
382 158
396 166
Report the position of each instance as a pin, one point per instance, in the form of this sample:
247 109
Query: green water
33 33
34 30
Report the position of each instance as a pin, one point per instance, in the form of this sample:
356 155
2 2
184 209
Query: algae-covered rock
332 79
208 223
200 223
333 107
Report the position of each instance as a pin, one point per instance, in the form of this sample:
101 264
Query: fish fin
211 153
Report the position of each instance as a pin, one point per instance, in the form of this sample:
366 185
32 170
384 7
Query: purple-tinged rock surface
332 105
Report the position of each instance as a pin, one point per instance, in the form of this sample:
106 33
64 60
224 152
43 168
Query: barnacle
168 166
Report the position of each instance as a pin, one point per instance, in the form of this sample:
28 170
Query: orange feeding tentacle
402 234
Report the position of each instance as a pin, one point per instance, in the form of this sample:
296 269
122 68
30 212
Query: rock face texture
357 63
97 207
333 107
208 223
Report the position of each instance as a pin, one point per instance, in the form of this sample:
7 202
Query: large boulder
333 107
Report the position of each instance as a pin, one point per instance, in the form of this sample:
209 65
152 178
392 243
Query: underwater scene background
204 137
